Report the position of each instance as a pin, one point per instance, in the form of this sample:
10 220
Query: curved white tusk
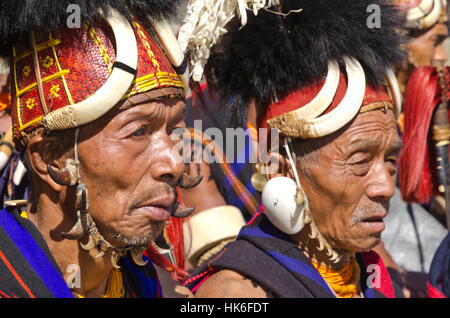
242 12
89 245
420 11
19 173
172 49
329 252
314 232
323 99
321 246
335 258
100 254
346 110
114 259
306 218
77 231
430 19
115 87
394 90
137 258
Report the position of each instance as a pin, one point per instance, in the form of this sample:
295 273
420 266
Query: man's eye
359 159
140 132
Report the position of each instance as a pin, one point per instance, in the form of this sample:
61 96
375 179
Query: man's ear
42 151
278 166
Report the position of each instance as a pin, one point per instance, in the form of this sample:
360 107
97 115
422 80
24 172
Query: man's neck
310 247
51 221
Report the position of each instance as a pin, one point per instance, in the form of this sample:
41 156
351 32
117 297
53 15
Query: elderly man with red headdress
318 74
97 91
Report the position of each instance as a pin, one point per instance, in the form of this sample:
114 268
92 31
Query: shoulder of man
230 284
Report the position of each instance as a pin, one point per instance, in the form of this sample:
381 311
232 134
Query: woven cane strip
100 46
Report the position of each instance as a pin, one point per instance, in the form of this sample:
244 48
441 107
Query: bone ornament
137 256
189 182
279 198
181 211
67 176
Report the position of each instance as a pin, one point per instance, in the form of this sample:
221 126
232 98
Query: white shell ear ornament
280 206
283 201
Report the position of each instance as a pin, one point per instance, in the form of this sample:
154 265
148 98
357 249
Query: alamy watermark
73 279
73 21
374 18
234 145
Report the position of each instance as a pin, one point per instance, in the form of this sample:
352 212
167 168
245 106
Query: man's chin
127 240
368 244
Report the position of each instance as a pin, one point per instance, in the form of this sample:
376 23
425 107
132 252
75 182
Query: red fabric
300 98
423 94
386 287
159 260
433 292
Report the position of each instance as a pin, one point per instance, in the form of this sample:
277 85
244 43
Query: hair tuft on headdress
288 46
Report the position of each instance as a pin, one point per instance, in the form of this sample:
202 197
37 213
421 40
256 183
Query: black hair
19 17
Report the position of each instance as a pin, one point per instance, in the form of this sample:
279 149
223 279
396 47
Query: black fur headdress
278 53
19 17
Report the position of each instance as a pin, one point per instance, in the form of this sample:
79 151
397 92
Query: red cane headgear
66 77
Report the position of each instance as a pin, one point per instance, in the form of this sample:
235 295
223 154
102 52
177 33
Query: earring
283 204
68 176
259 179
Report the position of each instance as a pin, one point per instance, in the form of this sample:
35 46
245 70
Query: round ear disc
279 203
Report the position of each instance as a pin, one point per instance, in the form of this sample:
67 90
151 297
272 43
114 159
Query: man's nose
168 165
382 184
439 53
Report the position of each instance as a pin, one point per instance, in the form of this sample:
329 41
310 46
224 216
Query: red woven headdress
57 73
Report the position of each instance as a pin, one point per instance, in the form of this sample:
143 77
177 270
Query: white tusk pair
420 11
347 109
426 14
335 119
113 89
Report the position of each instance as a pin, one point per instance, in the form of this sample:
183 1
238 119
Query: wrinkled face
129 167
352 180
429 45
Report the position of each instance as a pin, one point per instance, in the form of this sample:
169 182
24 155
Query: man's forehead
371 128
151 96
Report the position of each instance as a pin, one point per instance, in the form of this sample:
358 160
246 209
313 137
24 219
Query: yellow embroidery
30 103
100 46
47 62
26 70
54 90
39 47
147 46
44 80
66 88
